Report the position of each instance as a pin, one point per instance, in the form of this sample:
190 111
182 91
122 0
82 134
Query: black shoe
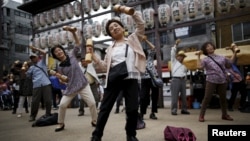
152 116
13 112
59 128
132 138
174 113
32 119
94 138
27 111
185 112
93 124
81 113
230 109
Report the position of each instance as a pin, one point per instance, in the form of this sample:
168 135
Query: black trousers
148 91
238 87
130 89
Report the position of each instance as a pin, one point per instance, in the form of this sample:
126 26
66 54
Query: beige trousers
87 95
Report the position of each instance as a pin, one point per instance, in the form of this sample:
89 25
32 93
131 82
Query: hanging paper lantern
50 40
69 10
192 8
43 42
240 4
177 10
63 37
48 17
87 31
36 21
164 14
128 23
62 13
104 22
148 15
42 20
55 15
207 6
36 42
77 8
70 38
96 4
56 38
96 29
87 6
114 2
104 3
223 6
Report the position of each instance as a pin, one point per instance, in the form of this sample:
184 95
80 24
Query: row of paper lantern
69 11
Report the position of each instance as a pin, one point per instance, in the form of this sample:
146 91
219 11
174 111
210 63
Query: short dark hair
111 21
53 49
204 47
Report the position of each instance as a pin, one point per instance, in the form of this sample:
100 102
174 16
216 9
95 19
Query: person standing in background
178 82
148 91
90 73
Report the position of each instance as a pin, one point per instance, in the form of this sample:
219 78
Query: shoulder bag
119 71
156 81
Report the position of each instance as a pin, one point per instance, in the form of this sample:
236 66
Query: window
21 29
241 31
17 13
8 11
163 38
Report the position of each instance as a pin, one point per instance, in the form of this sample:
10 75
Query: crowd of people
30 83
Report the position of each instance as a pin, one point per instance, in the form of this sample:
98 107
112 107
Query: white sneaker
19 115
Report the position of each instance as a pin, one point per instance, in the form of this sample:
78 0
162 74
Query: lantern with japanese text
43 42
114 2
36 21
104 22
77 8
70 38
48 17
96 29
42 19
223 6
56 38
207 6
50 40
148 15
96 4
104 3
177 10
86 5
164 14
240 3
128 23
69 10
87 31
63 37
62 13
55 15
36 42
192 8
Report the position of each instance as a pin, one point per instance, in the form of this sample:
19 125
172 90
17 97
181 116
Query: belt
179 77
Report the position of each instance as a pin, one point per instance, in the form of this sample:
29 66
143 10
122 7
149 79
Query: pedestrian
178 82
148 91
216 78
238 84
26 87
41 83
136 62
76 82
90 73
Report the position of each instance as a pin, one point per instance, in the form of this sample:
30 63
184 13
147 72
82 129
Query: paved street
79 128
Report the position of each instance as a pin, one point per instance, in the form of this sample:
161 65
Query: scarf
65 63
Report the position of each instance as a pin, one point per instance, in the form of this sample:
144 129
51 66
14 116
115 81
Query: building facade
15 35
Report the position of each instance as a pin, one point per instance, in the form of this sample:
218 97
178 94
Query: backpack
178 134
46 120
